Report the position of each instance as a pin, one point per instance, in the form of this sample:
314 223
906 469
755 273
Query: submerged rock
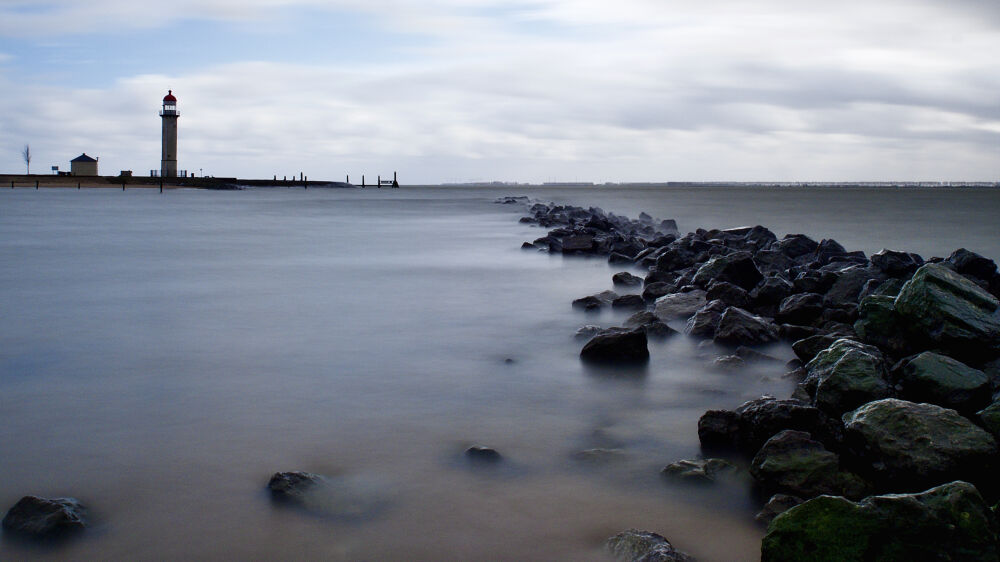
702 470
626 279
37 517
342 497
643 546
617 347
778 504
478 453
949 522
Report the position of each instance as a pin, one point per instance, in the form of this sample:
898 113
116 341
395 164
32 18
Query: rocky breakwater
887 449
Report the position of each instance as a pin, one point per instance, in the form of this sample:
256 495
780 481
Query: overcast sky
522 90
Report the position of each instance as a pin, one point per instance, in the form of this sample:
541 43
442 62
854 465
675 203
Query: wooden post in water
362 181
379 184
36 184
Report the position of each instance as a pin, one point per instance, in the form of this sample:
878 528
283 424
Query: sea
162 355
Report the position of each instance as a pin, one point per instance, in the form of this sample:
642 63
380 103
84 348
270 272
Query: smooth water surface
162 355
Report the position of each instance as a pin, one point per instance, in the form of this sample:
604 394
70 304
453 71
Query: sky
513 90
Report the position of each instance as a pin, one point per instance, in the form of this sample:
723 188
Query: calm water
162 355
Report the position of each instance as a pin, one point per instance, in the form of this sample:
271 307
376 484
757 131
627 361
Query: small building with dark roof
83 165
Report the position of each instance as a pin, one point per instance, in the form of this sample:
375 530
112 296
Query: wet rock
679 305
588 303
802 309
989 418
617 347
806 349
768 294
699 470
37 517
753 356
728 293
729 363
949 522
909 445
879 325
479 453
648 322
588 331
705 320
896 264
889 287
653 291
814 281
737 268
971 263
343 497
618 258
626 279
950 312
643 546
778 504
847 288
792 462
797 245
754 422
793 333
719 429
675 259
580 244
846 375
294 485
938 379
739 327
629 302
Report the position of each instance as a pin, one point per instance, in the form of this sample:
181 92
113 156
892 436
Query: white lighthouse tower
169 115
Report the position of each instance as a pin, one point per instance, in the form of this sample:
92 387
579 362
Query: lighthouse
169 115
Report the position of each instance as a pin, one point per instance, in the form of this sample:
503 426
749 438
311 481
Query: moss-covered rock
938 379
909 445
949 522
634 545
792 462
879 325
950 312
846 375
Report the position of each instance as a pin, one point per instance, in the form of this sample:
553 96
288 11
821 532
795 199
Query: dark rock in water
342 497
909 445
793 333
813 281
511 199
293 486
846 375
648 322
879 325
588 331
588 303
37 517
738 269
768 294
653 291
801 309
528 246
719 429
739 327
617 347
938 379
806 349
700 471
971 263
753 423
478 453
577 244
847 288
704 322
675 259
679 305
728 293
797 245
947 310
793 463
778 504
949 522
626 279
729 363
619 258
633 302
896 264
643 546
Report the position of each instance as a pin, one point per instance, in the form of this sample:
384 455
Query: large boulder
736 268
793 463
643 546
950 312
949 522
617 346
704 322
754 422
738 327
808 347
728 293
879 325
768 294
653 326
971 263
796 245
989 417
846 375
896 264
847 288
37 517
802 309
679 305
938 379
907 445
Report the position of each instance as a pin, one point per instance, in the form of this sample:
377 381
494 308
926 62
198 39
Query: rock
653 291
950 312
879 325
949 522
938 379
293 486
847 288
896 264
911 445
778 504
679 305
478 453
588 331
674 259
793 333
814 281
617 347
737 268
344 497
37 517
643 546
889 287
739 327
796 245
728 293
806 349
626 279
971 263
793 463
701 471
629 302
846 375
729 363
653 326
588 303
578 244
719 429
618 258
754 422
768 294
989 418
802 309
753 356
705 320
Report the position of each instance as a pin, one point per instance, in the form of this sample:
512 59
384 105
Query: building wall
83 168
168 162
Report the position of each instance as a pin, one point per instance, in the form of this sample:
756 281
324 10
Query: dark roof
169 96
83 158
